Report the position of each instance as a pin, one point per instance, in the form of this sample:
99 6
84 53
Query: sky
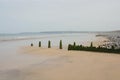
59 15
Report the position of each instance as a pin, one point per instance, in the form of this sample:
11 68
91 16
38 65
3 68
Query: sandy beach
59 39
34 63
69 65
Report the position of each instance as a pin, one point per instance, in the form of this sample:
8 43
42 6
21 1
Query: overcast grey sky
59 15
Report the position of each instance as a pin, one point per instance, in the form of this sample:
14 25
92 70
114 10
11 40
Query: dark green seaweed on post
60 46
49 44
39 43
92 48
31 44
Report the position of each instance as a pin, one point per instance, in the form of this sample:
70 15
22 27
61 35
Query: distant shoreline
58 32
30 36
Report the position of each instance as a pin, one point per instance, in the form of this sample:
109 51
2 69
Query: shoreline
97 42
69 65
35 63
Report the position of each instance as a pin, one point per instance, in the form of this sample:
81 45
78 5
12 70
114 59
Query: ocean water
12 60
34 38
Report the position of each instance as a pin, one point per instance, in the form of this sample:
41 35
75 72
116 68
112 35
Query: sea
13 61
44 37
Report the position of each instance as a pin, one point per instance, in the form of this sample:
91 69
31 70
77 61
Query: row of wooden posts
49 44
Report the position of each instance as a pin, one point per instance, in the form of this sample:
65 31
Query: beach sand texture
56 64
69 65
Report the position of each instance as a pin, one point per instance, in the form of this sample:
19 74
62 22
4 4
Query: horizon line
58 32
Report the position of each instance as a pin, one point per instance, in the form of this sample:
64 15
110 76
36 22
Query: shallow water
13 61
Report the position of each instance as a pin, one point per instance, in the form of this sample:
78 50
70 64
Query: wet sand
69 65
34 63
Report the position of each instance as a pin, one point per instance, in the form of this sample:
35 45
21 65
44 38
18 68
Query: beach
69 65
59 39
20 61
